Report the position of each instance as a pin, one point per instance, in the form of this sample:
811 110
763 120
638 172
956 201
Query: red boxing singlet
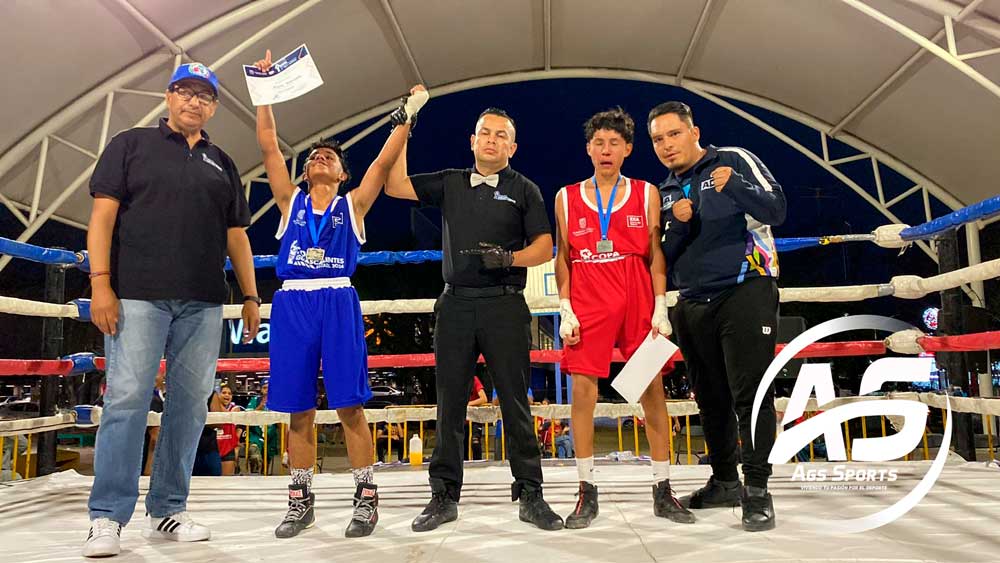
611 292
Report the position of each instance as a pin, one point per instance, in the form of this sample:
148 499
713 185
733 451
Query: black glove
398 116
494 256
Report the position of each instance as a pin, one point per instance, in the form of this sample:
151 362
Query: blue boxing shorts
310 325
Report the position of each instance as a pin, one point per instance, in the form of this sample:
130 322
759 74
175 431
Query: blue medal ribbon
311 221
605 218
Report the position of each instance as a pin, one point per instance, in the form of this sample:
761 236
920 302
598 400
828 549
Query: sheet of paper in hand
288 78
643 366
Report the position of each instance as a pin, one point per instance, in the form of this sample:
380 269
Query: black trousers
500 329
727 344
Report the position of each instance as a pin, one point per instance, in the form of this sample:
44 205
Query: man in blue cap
168 208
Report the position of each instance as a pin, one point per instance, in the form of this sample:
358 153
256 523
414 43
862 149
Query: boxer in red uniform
609 267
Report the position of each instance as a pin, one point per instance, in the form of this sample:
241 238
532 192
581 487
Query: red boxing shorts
614 303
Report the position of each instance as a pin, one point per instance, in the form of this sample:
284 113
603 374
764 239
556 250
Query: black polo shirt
176 204
510 215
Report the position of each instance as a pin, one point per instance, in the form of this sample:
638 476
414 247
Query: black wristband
253 298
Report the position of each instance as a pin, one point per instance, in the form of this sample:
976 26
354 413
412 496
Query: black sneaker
534 509
716 494
586 507
441 509
758 509
666 505
365 511
300 513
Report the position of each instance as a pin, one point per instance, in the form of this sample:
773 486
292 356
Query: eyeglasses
185 94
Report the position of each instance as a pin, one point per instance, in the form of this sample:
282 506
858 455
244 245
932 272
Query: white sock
661 471
585 469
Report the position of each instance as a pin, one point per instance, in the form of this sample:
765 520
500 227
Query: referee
495 226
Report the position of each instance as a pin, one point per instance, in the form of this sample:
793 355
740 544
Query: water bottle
416 450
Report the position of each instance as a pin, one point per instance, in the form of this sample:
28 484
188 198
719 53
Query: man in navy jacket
717 209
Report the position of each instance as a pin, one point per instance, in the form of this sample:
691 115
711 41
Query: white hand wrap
569 321
414 102
659 322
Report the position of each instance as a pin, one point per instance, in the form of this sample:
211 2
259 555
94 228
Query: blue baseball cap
196 71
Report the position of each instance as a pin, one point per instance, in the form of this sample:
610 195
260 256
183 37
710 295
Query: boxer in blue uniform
316 316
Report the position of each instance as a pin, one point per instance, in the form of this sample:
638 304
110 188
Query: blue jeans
187 334
564 447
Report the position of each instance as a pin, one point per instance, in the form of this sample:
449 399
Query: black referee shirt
176 204
510 215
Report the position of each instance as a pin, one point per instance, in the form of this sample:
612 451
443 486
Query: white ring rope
975 405
905 287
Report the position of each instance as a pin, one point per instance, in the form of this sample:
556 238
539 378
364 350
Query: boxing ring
45 518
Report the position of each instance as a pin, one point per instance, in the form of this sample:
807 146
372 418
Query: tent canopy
913 84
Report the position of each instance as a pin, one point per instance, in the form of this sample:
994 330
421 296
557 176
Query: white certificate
288 78
643 366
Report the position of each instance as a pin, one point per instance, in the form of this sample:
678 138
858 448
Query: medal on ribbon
605 246
315 254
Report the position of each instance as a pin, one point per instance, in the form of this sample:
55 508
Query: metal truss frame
32 216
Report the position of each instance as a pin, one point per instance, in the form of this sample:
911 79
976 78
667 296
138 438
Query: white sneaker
176 527
104 539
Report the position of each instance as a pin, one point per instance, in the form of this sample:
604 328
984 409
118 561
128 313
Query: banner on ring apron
542 283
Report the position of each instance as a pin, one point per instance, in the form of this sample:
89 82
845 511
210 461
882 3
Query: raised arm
398 183
392 151
282 187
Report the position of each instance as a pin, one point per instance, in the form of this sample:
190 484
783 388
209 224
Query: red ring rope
961 343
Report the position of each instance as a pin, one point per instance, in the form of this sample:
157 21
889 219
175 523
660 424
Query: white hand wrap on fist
414 102
569 321
659 322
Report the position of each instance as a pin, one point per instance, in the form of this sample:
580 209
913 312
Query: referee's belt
492 291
